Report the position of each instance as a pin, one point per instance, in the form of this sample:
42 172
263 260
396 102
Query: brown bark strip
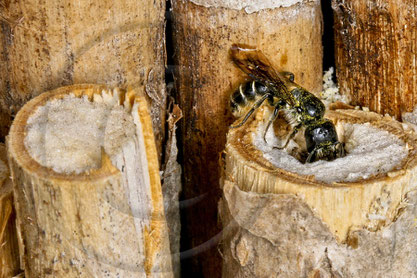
9 250
4 109
171 187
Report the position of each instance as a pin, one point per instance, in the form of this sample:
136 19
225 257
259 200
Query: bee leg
294 132
272 119
254 107
288 75
310 155
340 149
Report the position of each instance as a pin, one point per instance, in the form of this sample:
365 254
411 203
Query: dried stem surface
105 221
205 78
9 250
376 53
306 227
50 44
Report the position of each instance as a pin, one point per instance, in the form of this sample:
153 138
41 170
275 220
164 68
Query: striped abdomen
245 96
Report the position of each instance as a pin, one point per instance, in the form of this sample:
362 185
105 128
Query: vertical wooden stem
205 77
55 43
376 52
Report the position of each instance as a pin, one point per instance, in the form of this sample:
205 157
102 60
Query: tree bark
205 78
9 250
376 53
280 223
52 43
107 221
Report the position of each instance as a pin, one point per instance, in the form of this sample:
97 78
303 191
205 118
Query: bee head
322 142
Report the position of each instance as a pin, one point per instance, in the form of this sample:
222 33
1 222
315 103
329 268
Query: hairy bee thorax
308 107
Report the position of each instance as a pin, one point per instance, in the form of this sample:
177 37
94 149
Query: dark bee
302 108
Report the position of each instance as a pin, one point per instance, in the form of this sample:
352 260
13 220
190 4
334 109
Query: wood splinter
87 186
9 250
322 219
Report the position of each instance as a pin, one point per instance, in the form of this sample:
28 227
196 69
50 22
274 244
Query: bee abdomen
245 96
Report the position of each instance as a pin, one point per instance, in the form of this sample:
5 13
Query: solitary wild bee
303 109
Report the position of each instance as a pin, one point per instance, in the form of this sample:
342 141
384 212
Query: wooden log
9 250
322 219
51 44
87 186
287 32
376 53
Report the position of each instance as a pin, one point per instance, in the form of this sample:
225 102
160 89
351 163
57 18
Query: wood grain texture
376 43
304 228
9 250
54 43
4 109
104 221
205 78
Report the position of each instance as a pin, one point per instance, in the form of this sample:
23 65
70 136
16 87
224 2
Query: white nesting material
250 6
67 134
411 118
370 151
331 92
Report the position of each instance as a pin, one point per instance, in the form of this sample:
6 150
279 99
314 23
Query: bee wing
254 63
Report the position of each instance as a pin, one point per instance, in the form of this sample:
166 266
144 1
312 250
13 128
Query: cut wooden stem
302 227
204 30
103 221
